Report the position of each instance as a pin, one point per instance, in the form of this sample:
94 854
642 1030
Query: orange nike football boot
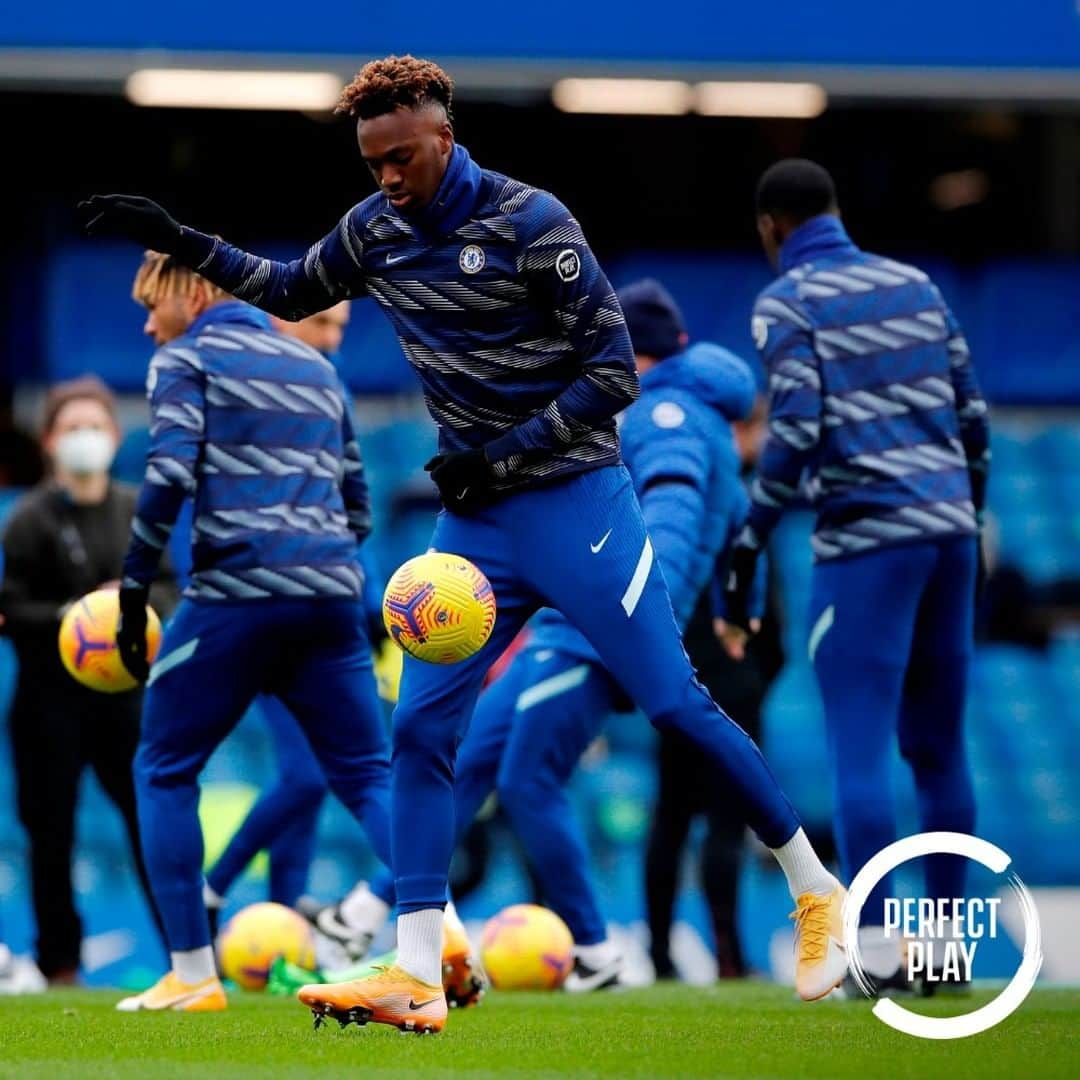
170 993
388 996
820 955
462 978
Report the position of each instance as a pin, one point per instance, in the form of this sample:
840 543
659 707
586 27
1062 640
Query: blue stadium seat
1025 340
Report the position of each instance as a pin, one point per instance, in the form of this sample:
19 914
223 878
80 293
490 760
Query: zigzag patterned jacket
253 426
874 411
498 302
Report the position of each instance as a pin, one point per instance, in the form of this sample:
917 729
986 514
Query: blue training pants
215 658
526 736
285 817
891 642
578 545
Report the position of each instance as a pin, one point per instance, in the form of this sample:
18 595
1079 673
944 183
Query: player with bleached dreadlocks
524 359
253 428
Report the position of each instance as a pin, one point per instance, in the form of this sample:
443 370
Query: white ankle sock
194 965
363 910
880 954
451 918
599 955
804 871
210 898
419 941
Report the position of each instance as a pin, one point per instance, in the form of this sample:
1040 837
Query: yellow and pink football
439 607
526 947
87 642
256 936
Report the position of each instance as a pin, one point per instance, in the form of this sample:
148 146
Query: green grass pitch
747 1030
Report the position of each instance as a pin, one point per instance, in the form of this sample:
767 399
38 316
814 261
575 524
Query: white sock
194 965
363 910
451 918
419 942
599 955
804 871
880 954
210 898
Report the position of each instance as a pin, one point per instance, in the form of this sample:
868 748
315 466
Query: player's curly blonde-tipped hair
396 82
161 275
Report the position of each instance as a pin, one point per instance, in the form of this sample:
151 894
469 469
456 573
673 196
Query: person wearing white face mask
65 538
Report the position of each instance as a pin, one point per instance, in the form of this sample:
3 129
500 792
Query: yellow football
87 641
526 947
439 607
256 936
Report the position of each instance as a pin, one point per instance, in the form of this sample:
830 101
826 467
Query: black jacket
56 551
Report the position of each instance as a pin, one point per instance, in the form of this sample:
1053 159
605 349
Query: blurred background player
872 396
532 725
64 539
688 786
525 362
254 428
284 819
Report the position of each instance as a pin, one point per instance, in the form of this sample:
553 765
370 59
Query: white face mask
85 451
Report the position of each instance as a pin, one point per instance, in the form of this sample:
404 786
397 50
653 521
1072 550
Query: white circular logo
668 415
1018 988
759 328
568 264
471 259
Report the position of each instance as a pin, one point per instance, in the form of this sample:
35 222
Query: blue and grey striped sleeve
783 334
330 271
175 386
971 411
563 276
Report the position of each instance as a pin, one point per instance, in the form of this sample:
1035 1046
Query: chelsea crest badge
471 259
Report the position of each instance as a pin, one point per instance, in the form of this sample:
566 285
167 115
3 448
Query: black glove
740 580
133 218
131 632
463 478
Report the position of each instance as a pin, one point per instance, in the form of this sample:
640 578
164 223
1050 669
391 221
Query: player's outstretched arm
327 273
564 276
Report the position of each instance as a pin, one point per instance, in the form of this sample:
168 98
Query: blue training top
872 398
253 426
499 305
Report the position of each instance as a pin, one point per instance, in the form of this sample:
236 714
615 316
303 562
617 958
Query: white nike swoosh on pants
595 548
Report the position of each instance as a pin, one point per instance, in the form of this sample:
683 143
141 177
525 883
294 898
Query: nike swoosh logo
391 259
414 1005
464 492
595 548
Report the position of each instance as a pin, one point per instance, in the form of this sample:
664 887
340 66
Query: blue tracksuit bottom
578 545
215 658
285 817
891 642
529 729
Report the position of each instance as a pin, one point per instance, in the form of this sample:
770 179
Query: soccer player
532 725
524 359
873 397
285 817
253 427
